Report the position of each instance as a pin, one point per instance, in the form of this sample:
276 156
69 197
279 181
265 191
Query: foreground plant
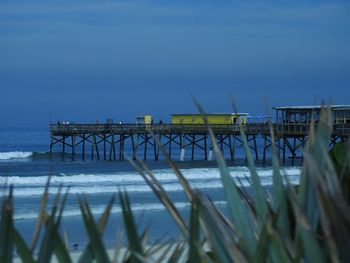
311 224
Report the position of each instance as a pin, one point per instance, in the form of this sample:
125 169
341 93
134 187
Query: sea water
26 164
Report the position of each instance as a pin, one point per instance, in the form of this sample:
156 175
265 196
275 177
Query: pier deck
109 138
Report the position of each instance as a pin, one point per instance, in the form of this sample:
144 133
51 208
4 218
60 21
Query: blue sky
85 60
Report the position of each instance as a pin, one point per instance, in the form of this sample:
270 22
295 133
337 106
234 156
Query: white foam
140 188
200 178
164 175
105 189
14 155
98 210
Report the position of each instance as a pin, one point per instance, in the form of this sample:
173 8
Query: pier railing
57 129
254 128
342 129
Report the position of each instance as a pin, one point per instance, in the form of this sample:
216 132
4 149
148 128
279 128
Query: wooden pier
110 141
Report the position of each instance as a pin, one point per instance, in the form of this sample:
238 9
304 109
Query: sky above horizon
84 60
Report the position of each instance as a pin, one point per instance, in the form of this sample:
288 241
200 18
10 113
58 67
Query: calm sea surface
26 164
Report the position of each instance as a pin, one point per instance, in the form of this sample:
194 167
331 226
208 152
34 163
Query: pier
109 141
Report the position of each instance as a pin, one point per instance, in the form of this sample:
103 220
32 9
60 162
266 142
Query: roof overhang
309 108
206 114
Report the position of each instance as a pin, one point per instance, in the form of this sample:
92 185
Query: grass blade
312 249
60 248
222 238
307 242
95 240
186 186
270 246
23 250
279 193
131 229
317 147
177 254
41 216
259 196
194 255
47 244
118 245
335 225
6 226
236 208
88 255
161 194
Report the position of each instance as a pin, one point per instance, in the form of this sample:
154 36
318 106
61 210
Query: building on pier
306 114
293 123
144 119
213 118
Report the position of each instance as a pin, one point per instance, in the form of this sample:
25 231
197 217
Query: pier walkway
109 141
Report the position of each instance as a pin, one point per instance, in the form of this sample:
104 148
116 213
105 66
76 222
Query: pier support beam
289 142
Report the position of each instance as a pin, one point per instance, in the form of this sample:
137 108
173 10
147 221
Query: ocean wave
200 178
96 189
98 210
125 178
15 155
105 189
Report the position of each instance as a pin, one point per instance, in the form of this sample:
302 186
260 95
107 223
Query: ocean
26 163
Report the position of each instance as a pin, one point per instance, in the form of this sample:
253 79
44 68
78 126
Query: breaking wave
199 178
97 210
15 155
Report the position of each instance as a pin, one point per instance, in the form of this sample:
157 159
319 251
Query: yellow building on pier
213 118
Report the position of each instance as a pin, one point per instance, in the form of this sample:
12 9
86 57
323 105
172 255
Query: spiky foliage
311 224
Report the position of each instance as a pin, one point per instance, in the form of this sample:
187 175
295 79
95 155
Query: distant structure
292 126
145 119
305 114
188 131
212 118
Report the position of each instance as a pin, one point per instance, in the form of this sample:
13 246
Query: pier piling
288 141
